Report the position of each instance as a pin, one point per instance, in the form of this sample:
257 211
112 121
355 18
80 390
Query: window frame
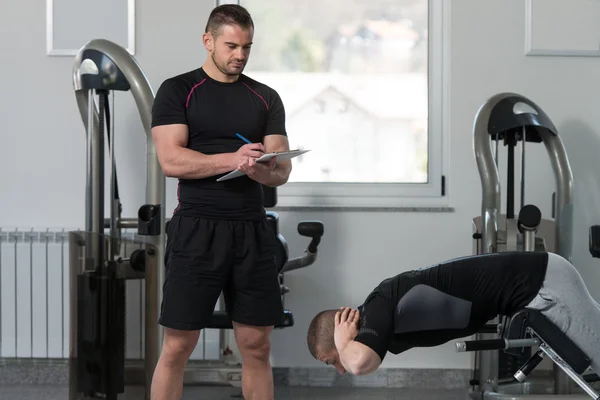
434 193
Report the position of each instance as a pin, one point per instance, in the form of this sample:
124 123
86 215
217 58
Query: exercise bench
528 328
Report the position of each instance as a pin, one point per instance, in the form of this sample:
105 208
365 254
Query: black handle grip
311 229
487 344
531 363
529 366
314 230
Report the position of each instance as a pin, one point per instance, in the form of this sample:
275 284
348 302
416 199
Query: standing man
205 123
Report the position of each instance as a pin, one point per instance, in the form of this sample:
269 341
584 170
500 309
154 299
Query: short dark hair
320 332
228 14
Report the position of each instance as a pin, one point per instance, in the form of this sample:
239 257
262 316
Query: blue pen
243 138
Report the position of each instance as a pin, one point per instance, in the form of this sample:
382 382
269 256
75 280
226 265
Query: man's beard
223 67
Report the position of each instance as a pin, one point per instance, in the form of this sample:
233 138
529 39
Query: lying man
431 306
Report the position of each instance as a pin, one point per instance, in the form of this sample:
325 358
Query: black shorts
206 256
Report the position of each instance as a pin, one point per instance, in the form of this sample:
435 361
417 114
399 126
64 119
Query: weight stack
101 335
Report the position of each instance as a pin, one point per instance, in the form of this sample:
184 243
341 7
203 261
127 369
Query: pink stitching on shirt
253 91
187 103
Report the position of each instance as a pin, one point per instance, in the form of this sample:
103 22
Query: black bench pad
558 341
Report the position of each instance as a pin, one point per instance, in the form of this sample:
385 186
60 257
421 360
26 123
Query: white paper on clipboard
281 156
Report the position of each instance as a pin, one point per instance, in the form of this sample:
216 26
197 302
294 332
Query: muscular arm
281 172
177 161
170 134
276 140
364 354
359 359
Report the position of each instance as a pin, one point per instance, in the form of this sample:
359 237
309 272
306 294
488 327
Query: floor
223 393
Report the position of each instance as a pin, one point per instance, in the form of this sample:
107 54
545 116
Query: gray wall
43 151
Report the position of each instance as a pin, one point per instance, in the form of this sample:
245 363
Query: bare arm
356 357
359 359
177 161
281 173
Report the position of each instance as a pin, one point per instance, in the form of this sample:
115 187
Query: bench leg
569 371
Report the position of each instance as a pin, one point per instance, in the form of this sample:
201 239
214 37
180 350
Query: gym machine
513 118
102 259
101 262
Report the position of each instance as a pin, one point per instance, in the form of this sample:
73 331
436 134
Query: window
363 90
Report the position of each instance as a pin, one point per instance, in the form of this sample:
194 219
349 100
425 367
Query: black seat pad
558 341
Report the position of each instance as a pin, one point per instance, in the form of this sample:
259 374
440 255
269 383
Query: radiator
34 299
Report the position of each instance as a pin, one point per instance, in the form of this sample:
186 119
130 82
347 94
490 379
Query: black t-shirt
214 113
430 306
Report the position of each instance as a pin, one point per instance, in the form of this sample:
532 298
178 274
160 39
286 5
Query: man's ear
208 41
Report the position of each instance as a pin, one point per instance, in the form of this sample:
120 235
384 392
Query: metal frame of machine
498 373
102 66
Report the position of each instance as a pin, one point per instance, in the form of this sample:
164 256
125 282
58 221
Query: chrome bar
141 317
461 347
31 293
62 292
114 203
95 175
16 291
47 300
89 194
126 223
1 240
529 240
122 223
523 143
488 173
564 193
299 262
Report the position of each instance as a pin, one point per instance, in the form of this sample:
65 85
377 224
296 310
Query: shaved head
320 333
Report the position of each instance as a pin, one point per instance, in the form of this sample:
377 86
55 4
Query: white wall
41 125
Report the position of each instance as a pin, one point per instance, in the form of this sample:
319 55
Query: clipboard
283 155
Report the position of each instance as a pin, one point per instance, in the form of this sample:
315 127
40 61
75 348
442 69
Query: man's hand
346 327
246 152
259 171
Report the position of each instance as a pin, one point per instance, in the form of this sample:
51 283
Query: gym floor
38 392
